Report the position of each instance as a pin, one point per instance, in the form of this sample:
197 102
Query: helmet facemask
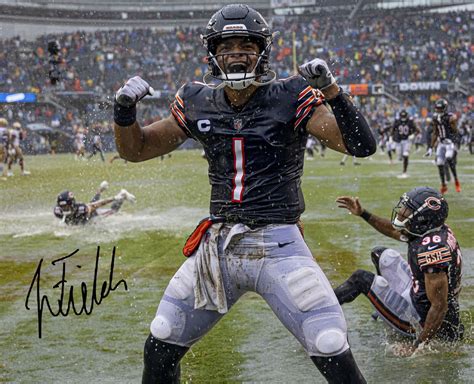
67 202
401 215
238 21
403 116
238 74
441 106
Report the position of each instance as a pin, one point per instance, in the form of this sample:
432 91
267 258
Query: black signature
86 304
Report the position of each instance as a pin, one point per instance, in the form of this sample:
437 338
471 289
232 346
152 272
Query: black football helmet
238 20
420 211
441 105
403 115
66 201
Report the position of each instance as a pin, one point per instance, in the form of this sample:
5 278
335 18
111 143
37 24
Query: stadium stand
406 57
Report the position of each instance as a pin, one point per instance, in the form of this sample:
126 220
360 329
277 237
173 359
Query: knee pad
307 290
160 327
379 283
325 335
406 154
169 322
388 257
331 341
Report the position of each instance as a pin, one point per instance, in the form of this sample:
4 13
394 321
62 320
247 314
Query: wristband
124 116
366 215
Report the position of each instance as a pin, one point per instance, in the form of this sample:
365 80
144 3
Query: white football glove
133 91
104 185
317 74
125 195
429 152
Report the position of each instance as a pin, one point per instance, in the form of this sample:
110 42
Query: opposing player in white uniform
79 146
16 135
4 134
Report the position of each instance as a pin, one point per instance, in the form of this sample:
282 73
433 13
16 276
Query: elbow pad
356 133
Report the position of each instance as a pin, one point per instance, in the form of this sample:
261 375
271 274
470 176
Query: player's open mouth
237 68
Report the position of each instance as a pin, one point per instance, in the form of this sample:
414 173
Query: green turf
249 344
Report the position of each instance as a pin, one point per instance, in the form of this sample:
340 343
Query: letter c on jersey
204 125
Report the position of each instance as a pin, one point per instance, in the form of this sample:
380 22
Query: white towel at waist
209 291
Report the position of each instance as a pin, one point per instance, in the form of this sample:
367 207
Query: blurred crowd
377 47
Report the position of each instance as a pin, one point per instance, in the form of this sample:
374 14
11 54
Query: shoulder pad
191 89
295 83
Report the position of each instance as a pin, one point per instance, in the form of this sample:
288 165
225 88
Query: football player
73 213
97 147
253 129
79 146
402 129
418 298
444 131
386 140
4 134
310 147
16 135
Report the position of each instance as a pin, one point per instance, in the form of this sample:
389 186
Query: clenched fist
133 91
317 74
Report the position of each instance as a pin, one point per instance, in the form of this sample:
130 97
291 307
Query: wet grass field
249 344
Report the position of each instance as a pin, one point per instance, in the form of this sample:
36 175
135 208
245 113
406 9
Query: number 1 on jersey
239 160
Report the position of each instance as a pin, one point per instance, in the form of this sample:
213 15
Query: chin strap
208 77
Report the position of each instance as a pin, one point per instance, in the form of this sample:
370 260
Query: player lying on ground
74 213
418 298
253 129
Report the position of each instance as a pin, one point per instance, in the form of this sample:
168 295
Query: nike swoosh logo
431 248
281 245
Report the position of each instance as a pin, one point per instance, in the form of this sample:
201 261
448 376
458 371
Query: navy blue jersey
256 154
402 129
436 252
442 125
79 214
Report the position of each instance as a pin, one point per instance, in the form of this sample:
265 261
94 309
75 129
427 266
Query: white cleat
9 173
125 195
104 185
403 176
25 173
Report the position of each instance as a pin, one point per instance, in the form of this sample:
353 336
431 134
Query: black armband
366 215
356 133
124 116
